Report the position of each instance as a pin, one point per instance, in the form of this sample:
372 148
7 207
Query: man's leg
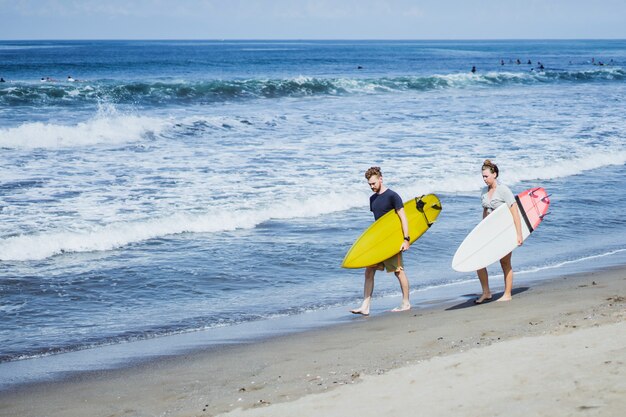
368 289
404 286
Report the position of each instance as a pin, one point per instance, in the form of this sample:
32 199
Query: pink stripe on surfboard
535 203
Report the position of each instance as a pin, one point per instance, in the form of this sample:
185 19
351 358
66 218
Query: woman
493 196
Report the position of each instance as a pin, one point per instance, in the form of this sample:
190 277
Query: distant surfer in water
382 201
492 197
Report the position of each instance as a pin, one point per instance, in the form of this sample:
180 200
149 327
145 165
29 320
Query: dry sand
581 373
557 349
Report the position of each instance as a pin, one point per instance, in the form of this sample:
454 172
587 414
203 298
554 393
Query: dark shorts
393 264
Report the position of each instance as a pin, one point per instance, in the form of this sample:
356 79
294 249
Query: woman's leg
507 270
483 276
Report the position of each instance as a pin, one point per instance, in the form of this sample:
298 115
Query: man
382 201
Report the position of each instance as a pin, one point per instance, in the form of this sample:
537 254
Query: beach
173 224
558 348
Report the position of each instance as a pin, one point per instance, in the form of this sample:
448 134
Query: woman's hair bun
491 167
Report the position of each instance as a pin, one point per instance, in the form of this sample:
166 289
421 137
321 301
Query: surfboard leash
420 204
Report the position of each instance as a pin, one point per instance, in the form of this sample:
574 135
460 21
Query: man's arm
405 228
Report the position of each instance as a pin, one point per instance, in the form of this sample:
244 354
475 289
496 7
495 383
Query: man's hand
405 246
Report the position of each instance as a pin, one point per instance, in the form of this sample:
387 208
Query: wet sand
558 348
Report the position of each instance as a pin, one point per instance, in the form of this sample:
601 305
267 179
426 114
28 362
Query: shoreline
109 357
119 356
284 368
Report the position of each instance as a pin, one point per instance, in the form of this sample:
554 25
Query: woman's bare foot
403 307
482 299
504 298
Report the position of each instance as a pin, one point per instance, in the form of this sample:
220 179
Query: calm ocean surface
180 188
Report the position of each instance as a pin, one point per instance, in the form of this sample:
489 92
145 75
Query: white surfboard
495 236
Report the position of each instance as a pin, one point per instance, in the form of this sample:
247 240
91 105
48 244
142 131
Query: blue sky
312 19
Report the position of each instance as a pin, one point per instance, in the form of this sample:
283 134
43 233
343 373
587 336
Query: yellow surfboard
384 237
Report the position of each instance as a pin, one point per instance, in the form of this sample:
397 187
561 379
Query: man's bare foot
482 299
504 298
360 311
403 307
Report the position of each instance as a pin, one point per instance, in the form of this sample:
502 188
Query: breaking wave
210 91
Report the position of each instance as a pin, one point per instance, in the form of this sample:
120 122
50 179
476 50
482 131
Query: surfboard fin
544 215
419 204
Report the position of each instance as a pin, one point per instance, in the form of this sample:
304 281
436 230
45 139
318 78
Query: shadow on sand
471 297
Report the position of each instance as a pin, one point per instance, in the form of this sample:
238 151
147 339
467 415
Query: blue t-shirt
380 204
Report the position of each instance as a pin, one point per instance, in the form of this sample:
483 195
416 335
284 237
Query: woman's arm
518 223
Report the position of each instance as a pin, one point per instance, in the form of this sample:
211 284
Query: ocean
183 194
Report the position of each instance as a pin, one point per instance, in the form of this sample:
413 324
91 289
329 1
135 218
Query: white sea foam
116 235
143 224
105 128
11 308
551 169
570 262
517 170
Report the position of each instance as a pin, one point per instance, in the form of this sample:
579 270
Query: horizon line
314 39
